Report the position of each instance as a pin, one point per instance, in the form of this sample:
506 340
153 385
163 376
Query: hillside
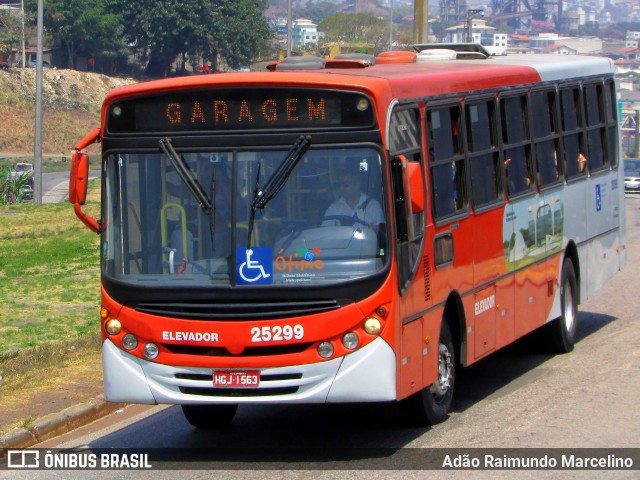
71 107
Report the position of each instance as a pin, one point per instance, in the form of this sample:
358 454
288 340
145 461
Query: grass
49 289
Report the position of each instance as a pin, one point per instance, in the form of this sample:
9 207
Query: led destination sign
241 109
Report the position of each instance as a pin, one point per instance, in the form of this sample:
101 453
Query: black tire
209 416
432 404
560 334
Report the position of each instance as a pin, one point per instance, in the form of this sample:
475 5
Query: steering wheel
344 220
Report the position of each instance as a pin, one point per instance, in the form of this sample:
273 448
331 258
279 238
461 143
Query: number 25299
277 333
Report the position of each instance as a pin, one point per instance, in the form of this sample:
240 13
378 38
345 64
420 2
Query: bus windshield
324 223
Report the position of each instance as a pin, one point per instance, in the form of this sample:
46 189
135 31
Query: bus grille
238 392
238 311
248 352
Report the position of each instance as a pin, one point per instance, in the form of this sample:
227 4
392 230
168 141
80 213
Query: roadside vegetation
49 261
49 290
12 189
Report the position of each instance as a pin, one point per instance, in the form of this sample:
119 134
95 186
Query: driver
355 204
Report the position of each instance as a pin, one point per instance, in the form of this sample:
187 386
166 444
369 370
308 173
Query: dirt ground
54 390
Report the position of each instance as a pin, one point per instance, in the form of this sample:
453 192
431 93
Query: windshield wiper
186 174
279 177
277 180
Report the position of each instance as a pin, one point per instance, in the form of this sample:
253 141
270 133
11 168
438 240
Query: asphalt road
55 187
517 398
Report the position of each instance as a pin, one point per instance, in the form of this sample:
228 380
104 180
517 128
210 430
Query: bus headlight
129 341
150 351
372 326
113 326
350 340
325 349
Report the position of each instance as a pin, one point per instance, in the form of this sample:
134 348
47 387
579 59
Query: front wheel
431 405
209 416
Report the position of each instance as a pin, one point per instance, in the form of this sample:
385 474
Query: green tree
240 32
10 31
316 11
83 26
162 30
356 27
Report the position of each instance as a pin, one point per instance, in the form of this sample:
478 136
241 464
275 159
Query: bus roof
435 77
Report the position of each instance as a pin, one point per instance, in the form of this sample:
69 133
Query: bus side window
592 97
484 157
572 139
517 148
446 160
611 112
545 136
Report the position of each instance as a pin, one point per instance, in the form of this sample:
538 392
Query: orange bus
341 230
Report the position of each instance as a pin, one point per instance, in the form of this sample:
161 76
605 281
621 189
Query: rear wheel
561 332
432 404
209 416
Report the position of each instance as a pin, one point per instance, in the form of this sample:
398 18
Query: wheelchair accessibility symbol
254 266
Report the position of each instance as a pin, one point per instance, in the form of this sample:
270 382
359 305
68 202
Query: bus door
408 191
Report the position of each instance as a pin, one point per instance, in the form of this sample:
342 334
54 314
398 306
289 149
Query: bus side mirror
414 174
78 180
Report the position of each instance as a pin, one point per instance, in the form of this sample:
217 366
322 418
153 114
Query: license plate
236 378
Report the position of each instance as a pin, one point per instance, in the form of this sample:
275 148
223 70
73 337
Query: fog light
150 351
113 326
129 341
372 326
362 104
350 340
325 349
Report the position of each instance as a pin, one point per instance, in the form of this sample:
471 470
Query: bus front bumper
366 375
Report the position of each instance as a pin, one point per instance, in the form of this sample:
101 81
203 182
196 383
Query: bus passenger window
572 139
515 138
484 160
595 128
545 136
446 160
610 109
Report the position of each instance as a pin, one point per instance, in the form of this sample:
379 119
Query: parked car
27 192
45 64
22 169
632 175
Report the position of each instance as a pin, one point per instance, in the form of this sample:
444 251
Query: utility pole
289 35
37 163
390 25
470 13
24 55
420 21
636 145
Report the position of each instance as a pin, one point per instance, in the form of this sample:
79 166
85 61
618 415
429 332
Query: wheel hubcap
569 314
445 372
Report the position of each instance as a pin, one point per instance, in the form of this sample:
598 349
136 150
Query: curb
56 424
